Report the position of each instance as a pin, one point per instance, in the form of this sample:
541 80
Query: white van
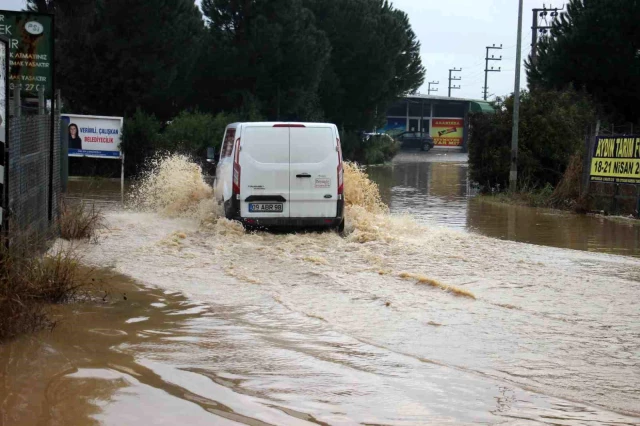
281 175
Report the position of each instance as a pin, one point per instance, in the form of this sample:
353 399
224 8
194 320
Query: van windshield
311 144
266 144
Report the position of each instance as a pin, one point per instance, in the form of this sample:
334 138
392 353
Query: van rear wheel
340 227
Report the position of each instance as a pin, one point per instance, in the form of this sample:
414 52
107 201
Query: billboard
447 131
30 37
93 136
616 160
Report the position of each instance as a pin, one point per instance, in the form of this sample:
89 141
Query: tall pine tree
375 59
115 56
266 52
594 45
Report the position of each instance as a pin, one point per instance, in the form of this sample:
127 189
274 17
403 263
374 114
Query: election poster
93 136
616 160
447 131
30 37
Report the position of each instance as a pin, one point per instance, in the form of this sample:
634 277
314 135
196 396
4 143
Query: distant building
445 119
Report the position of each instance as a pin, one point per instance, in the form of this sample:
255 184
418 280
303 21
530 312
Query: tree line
342 61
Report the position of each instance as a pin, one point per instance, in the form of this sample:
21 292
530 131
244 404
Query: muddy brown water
223 327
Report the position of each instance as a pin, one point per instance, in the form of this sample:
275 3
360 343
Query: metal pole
513 174
486 73
122 181
41 104
64 151
534 38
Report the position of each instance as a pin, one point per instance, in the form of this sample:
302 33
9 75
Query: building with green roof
445 119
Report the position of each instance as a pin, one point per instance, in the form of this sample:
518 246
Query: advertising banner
447 131
395 125
30 37
616 160
93 136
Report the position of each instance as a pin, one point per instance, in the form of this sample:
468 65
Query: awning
481 106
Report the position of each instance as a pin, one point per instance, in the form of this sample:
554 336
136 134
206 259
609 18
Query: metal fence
33 169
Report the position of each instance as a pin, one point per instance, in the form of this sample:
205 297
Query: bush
192 133
79 220
31 282
551 130
375 149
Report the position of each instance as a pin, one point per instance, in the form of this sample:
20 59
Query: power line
542 29
453 79
429 90
486 68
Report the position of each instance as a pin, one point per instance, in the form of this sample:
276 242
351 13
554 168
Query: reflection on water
438 193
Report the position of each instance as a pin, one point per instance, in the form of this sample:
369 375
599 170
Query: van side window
227 146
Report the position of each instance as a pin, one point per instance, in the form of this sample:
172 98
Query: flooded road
407 320
434 189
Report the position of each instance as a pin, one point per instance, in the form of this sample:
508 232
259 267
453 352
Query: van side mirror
211 155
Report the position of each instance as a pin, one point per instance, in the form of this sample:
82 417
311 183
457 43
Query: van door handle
304 175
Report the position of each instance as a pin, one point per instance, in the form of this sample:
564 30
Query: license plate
265 207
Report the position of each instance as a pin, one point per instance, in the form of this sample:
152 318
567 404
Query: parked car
282 175
420 140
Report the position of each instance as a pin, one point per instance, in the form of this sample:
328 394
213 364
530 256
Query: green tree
552 130
115 56
594 45
266 53
375 58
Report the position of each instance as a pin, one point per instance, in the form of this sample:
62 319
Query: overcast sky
454 34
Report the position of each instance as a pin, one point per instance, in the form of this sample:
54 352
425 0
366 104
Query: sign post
95 136
4 132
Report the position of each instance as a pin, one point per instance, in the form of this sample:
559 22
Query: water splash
174 186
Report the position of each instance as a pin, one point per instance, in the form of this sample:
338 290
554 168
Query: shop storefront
445 119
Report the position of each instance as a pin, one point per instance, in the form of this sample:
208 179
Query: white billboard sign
93 136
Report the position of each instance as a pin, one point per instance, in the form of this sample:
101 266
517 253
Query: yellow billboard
616 160
447 131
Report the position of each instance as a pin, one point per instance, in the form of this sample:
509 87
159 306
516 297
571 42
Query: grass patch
529 198
31 282
80 221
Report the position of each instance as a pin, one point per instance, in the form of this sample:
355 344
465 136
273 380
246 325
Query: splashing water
174 186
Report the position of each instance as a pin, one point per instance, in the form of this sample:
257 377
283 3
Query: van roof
273 123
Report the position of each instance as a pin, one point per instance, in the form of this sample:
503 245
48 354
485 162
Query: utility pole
453 79
430 89
542 29
486 67
513 173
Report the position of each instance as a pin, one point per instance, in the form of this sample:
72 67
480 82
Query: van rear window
227 146
312 144
266 144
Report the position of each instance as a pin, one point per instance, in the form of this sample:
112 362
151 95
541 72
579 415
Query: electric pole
542 29
513 173
486 67
430 89
453 79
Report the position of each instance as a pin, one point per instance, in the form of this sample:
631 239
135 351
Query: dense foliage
594 45
342 61
551 130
